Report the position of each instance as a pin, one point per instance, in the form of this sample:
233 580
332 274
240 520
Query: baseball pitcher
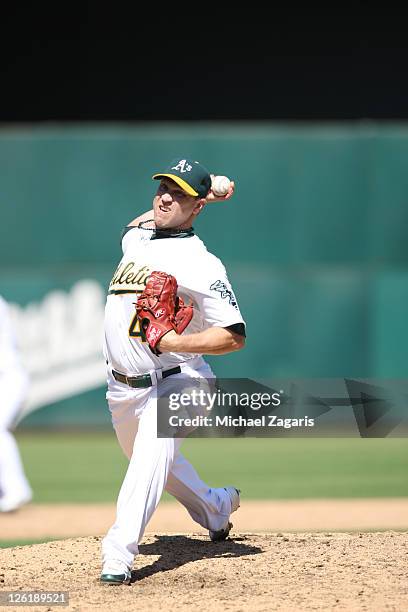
14 487
169 303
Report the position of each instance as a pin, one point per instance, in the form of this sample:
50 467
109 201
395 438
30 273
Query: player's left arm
212 341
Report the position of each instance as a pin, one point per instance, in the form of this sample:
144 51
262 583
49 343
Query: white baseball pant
155 464
13 389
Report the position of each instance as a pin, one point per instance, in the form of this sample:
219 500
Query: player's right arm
147 216
211 197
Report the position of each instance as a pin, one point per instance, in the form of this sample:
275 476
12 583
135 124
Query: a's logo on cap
182 166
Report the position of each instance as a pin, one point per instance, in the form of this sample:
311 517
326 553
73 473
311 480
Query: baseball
220 185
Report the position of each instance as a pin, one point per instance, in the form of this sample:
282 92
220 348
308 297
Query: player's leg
209 507
142 487
14 487
125 415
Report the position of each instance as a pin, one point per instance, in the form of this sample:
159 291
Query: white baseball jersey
201 279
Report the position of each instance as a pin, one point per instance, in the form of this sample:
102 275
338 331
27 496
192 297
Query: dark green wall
314 239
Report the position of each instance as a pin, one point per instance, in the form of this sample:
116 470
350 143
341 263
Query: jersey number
135 330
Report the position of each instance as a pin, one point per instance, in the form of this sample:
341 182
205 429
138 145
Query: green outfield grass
12 543
82 467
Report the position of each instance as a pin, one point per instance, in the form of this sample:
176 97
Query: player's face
173 207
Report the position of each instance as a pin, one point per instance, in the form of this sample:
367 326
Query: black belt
144 380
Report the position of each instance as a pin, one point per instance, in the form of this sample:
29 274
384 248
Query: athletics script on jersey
128 278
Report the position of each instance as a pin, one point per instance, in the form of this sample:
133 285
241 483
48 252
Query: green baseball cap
190 175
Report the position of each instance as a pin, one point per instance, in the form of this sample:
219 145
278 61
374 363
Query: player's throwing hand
213 197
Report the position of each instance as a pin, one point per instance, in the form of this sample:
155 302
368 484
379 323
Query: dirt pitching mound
279 571
55 521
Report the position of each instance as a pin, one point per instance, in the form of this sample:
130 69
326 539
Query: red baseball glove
160 310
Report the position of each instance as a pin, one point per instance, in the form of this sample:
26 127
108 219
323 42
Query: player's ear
199 206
